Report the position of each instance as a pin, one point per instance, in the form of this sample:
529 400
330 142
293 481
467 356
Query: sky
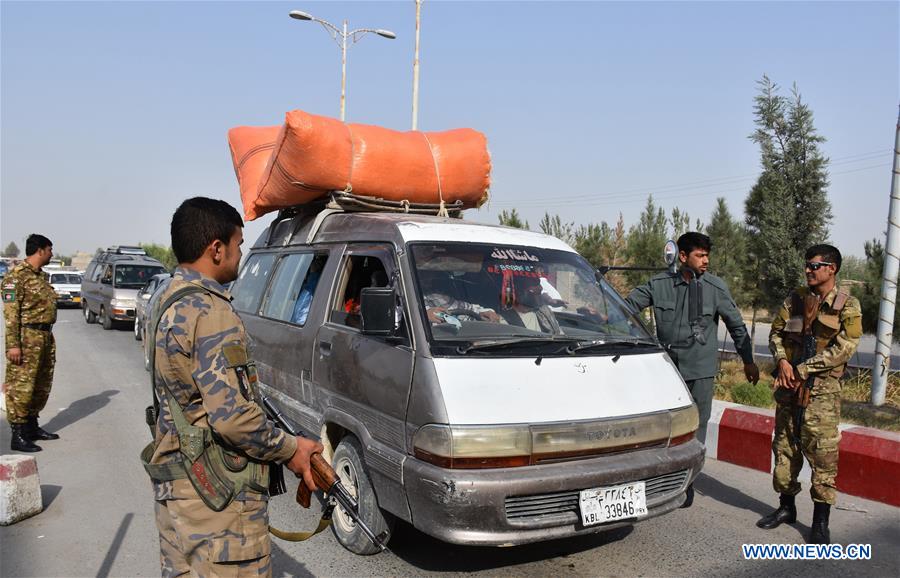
112 113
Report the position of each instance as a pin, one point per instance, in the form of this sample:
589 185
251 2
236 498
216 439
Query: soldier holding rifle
813 337
214 449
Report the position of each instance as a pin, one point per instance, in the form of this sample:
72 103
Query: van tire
89 316
351 469
105 320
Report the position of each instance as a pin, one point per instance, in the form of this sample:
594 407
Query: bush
759 395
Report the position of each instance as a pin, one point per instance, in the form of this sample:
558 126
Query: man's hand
14 355
751 372
299 462
490 315
787 375
434 314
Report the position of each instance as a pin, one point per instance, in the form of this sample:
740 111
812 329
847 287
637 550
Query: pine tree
555 227
787 210
729 253
512 219
12 250
645 242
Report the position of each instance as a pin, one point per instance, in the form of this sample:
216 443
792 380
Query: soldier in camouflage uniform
30 311
836 328
687 306
202 365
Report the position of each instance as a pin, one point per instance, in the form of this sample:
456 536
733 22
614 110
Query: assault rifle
325 478
808 341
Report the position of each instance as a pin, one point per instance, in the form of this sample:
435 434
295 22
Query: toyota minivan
482 383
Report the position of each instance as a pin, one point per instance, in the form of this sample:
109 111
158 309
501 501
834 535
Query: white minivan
479 382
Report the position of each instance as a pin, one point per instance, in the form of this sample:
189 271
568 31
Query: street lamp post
415 104
340 36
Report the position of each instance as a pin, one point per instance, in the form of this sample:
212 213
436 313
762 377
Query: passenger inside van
307 290
525 306
440 305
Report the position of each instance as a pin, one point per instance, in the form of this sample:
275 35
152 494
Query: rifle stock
324 476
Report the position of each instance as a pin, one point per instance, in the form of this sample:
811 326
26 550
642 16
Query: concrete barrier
20 489
868 463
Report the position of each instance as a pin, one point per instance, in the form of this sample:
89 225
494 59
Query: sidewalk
869 462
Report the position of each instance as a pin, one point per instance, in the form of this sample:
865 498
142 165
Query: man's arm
12 313
729 312
640 297
239 422
785 375
844 345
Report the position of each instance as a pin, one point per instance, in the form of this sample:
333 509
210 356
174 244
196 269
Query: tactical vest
824 329
218 473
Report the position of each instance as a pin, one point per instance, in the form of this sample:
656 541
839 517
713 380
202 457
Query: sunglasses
816 265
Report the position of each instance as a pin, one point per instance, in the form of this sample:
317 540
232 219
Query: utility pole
415 103
882 365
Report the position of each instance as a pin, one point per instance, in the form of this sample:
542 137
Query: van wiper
611 343
500 343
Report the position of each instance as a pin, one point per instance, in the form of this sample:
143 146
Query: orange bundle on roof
314 155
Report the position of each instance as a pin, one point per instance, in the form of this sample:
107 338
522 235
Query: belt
39 326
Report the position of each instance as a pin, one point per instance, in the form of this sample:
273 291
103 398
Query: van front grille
563 506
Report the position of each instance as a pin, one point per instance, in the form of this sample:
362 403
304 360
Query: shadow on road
718 491
48 494
284 565
430 554
113 551
78 410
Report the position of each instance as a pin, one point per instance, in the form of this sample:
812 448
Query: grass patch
731 385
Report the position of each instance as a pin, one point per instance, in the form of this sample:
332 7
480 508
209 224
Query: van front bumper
471 506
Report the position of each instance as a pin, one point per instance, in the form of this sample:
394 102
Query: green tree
729 254
162 254
869 292
12 250
555 227
645 242
787 210
512 219
603 245
681 222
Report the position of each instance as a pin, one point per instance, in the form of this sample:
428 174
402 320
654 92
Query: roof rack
341 201
127 250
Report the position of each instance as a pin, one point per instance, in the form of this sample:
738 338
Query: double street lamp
342 37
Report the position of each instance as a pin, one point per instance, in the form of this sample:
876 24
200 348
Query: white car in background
67 285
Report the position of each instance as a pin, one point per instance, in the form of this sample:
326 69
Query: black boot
820 533
688 497
35 432
19 442
786 513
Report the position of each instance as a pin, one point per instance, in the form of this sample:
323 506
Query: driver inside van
525 305
439 304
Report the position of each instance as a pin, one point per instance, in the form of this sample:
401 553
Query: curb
868 462
20 489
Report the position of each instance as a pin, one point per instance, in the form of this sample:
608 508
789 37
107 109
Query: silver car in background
67 285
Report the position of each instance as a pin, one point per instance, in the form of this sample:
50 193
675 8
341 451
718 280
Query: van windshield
134 276
500 295
65 278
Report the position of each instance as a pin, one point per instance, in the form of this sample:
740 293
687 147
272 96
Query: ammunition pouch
216 473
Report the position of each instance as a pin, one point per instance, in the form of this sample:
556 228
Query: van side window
107 274
360 271
293 287
251 282
95 274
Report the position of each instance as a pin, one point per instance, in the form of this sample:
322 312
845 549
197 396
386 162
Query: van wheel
137 330
105 320
89 316
349 465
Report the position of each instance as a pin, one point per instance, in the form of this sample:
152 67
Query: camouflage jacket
195 340
837 333
27 298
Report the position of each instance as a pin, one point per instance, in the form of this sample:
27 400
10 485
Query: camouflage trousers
194 540
28 385
819 437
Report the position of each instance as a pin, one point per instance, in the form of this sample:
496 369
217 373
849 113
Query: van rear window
251 282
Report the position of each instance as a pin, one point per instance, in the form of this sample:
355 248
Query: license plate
599 505
76 299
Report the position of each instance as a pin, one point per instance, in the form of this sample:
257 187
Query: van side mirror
376 308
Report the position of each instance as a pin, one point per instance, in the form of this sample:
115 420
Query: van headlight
470 447
122 303
685 422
